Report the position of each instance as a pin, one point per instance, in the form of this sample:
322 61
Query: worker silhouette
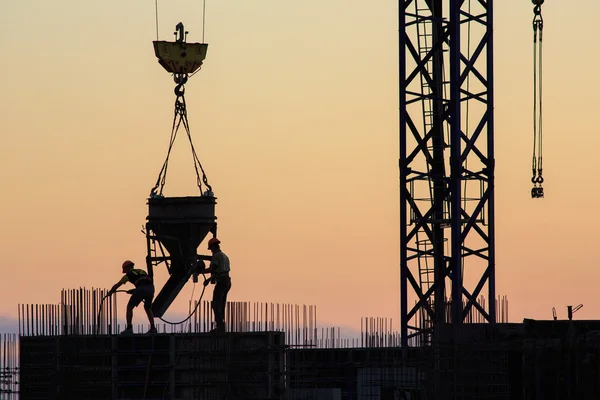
144 291
219 271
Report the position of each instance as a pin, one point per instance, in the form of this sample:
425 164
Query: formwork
561 360
358 373
477 361
472 361
164 366
534 360
272 351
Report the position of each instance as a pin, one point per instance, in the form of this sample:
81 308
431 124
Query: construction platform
162 366
274 351
533 360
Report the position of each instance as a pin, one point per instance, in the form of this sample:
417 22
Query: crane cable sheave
183 60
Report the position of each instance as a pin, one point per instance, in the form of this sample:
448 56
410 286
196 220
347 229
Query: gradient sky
294 116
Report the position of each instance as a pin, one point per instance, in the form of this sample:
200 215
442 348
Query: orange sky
295 117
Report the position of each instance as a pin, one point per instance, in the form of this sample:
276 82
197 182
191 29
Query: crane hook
180 80
182 33
538 25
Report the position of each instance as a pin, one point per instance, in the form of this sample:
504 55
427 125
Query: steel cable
536 164
180 118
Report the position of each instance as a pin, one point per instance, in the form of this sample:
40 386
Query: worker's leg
134 301
129 317
220 300
148 292
150 315
223 306
217 303
226 288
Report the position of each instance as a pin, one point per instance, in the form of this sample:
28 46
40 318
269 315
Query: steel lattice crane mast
447 257
446 163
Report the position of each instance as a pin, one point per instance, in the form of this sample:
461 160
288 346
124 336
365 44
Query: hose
192 313
100 308
163 320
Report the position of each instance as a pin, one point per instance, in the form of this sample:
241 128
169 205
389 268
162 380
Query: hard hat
213 241
127 264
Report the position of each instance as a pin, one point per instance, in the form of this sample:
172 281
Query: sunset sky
294 116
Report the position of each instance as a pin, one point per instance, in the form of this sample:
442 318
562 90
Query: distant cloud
343 331
9 325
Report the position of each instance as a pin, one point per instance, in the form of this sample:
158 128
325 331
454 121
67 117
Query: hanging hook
538 25
538 21
182 33
180 80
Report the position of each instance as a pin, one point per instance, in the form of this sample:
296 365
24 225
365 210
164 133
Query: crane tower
446 163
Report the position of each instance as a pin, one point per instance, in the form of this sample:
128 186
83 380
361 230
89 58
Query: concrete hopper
179 224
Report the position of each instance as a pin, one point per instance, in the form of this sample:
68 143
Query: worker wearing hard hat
219 271
144 291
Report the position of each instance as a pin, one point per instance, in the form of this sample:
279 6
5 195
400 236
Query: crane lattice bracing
446 163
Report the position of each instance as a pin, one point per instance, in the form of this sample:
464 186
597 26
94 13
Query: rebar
91 312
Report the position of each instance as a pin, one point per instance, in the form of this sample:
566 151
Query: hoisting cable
197 162
203 20
180 118
162 175
156 13
538 27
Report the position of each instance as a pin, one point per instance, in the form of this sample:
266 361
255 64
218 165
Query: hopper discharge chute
176 226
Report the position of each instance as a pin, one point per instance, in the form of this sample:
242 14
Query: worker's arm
214 264
118 284
209 270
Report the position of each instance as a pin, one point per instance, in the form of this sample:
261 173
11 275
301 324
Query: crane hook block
537 192
179 57
537 2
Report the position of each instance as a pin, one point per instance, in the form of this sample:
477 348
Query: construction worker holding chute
219 271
